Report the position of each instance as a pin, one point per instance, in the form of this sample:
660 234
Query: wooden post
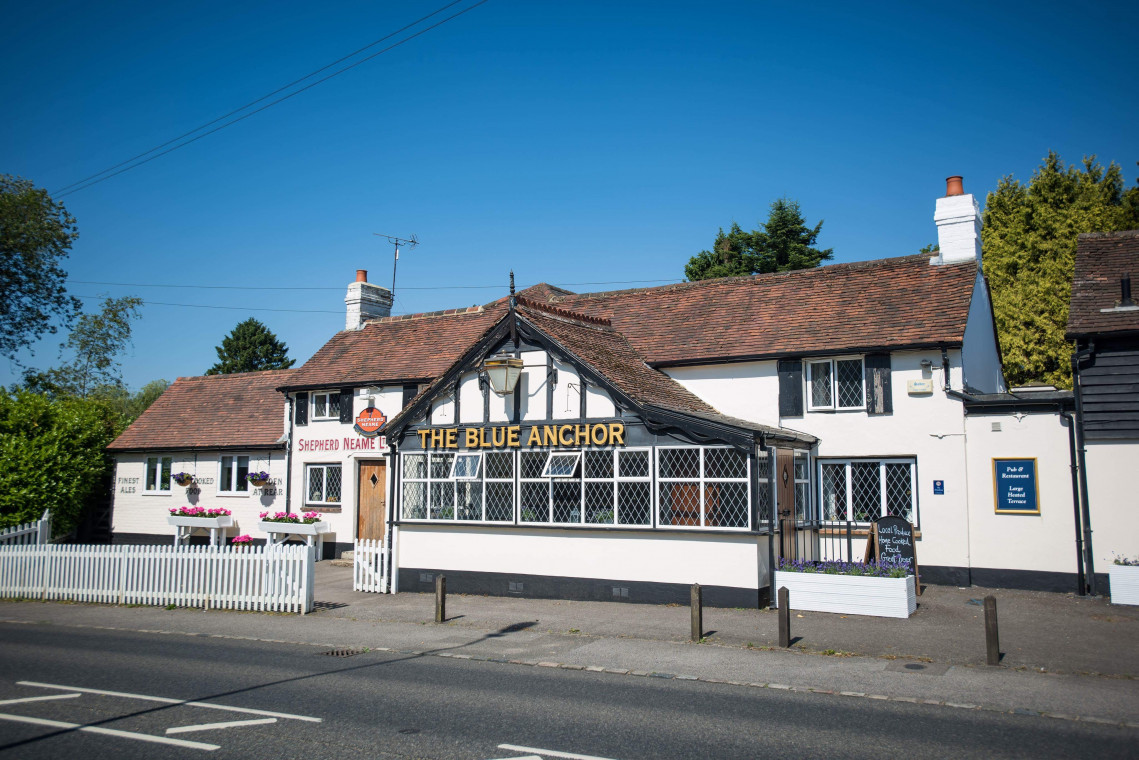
992 639
440 598
784 618
696 606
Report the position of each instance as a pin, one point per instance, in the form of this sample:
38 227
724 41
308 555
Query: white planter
849 594
1124 583
221 521
294 529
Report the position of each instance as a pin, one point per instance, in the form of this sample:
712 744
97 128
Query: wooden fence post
784 617
992 638
440 598
696 605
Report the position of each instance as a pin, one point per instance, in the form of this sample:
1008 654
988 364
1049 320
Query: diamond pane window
442 500
635 499
441 465
499 466
566 501
562 464
532 463
821 391
323 484
599 502
679 463
679 504
899 491
725 463
834 491
850 394
535 501
725 505
765 492
468 497
499 502
864 490
414 501
466 466
633 463
415 466
598 464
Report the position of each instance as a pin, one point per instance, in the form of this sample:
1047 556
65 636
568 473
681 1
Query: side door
371 498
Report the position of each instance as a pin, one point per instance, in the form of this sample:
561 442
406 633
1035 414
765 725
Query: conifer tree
251 347
784 244
1029 245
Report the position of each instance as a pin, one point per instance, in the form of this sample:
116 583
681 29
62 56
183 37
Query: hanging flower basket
183 478
258 479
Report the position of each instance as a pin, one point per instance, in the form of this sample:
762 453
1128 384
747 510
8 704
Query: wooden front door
371 500
785 498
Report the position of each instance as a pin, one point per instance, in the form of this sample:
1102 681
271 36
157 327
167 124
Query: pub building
626 444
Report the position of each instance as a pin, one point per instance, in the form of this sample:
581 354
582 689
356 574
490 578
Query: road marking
518 757
108 732
550 753
169 701
39 699
212 726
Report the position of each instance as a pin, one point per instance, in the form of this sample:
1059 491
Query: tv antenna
397 242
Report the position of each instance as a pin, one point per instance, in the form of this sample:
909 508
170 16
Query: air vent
620 592
516 587
996 427
426 577
343 652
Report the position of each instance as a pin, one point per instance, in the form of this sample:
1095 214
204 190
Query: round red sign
370 421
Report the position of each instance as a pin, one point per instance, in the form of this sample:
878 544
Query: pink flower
263 515
242 539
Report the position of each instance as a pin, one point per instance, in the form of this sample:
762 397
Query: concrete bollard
784 617
440 598
696 605
992 638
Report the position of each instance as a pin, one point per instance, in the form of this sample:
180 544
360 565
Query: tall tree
36 234
784 244
249 348
95 343
1029 243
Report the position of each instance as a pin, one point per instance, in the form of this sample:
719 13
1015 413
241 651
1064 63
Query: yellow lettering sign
535 438
512 434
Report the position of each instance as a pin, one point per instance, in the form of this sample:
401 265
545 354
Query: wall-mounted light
503 371
926 364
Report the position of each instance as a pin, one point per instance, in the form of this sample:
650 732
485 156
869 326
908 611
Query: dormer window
835 384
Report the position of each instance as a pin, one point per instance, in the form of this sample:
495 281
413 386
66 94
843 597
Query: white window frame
161 484
326 466
575 456
820 462
332 410
455 485
461 455
809 380
241 485
803 512
702 481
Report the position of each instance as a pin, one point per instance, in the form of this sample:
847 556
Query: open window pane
466 466
562 465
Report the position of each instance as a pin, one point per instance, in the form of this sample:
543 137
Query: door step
346 559
348 555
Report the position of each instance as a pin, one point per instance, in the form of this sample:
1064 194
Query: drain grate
343 652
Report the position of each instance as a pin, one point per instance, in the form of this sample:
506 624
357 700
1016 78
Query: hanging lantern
503 371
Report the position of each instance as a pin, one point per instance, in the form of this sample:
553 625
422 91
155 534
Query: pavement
1065 657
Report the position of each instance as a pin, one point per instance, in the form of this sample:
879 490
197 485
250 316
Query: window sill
157 493
233 494
323 509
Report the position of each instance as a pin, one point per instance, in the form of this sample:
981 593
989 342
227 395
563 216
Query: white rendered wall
136 511
331 442
1112 500
1021 542
661 557
979 354
928 427
470 399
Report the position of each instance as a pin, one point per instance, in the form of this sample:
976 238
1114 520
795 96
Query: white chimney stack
365 301
958 219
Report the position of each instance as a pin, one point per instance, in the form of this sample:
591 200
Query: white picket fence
276 579
369 570
37 532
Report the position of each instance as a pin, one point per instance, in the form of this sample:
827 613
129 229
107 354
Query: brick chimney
958 219
365 301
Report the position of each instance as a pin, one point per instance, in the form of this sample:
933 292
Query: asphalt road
292 701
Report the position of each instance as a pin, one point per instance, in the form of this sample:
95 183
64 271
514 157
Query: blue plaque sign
1014 487
939 488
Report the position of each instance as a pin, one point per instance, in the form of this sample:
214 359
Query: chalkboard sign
892 538
1014 487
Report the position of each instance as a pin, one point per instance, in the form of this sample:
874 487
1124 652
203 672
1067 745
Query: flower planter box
184 527
1124 583
294 529
849 594
221 521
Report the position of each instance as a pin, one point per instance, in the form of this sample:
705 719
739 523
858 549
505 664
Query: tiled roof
242 410
611 356
842 307
412 347
1102 259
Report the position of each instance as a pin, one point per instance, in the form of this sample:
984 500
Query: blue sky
573 142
